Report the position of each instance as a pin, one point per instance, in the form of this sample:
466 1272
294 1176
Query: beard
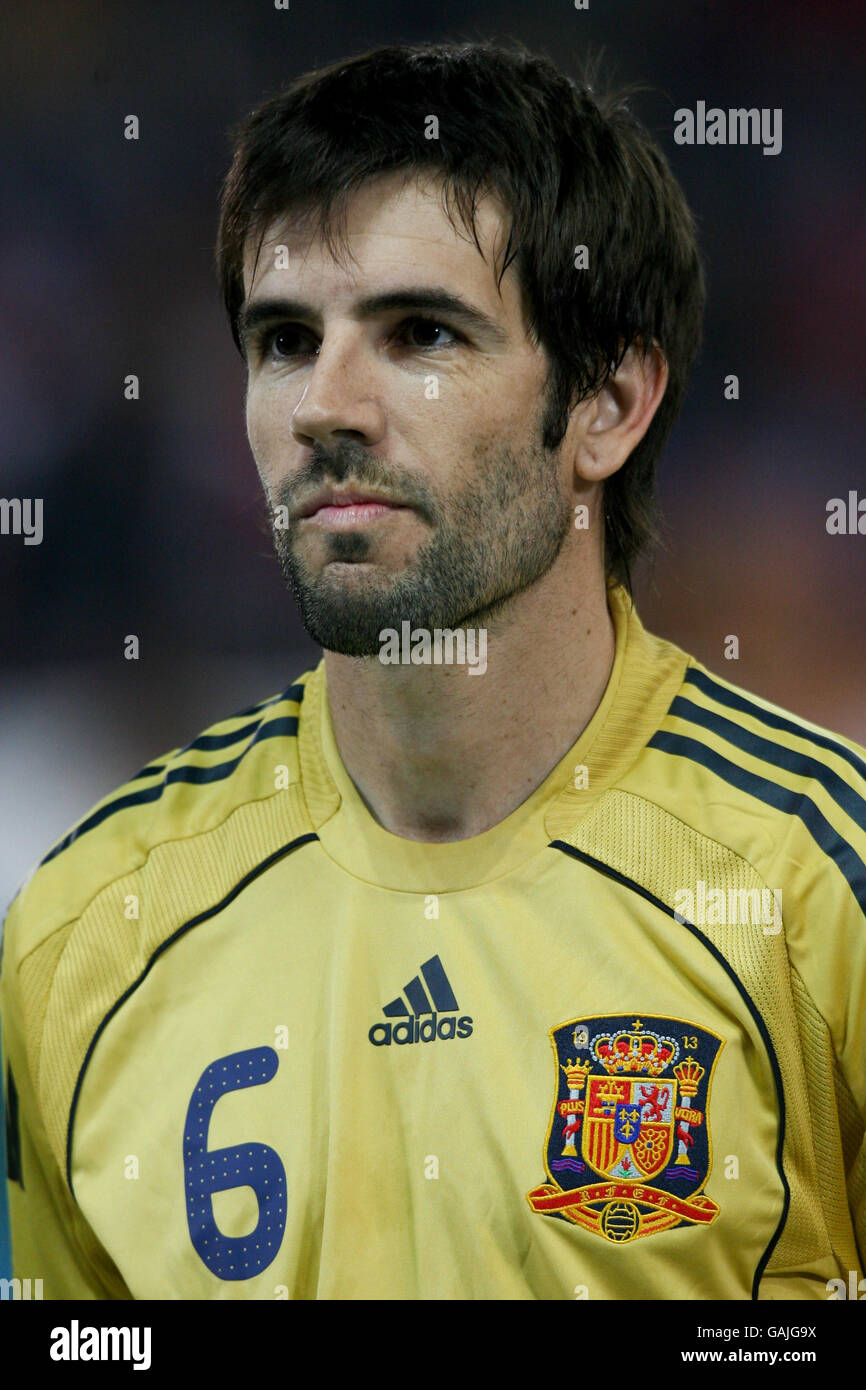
490 540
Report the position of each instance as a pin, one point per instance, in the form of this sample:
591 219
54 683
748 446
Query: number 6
207 1171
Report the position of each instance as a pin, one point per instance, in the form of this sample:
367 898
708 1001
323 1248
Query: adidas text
413 1030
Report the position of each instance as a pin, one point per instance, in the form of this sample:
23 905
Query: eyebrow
436 300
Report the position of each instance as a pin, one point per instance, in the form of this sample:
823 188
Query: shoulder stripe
150 771
286 726
734 700
91 822
792 803
294 692
210 742
781 756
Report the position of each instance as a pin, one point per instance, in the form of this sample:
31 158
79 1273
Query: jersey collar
646 674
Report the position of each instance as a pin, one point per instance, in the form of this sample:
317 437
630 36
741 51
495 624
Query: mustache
352 463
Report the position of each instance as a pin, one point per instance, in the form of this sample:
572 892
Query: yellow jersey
256 1046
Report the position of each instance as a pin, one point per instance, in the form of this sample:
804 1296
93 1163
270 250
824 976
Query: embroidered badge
628 1146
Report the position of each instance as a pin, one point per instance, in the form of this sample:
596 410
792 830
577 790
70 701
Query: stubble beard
489 542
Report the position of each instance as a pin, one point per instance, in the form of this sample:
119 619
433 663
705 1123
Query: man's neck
438 754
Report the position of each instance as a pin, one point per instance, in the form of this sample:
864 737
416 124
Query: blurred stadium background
153 521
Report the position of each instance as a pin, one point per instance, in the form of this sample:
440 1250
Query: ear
610 425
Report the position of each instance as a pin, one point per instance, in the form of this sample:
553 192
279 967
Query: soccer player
508 953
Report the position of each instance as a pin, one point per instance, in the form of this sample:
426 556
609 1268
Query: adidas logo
420 1021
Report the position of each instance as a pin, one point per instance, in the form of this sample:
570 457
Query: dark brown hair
572 167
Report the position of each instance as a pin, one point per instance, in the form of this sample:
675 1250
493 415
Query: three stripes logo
420 1019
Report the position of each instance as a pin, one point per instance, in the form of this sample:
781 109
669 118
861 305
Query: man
507 953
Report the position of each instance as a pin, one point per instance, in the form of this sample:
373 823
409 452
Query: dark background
153 520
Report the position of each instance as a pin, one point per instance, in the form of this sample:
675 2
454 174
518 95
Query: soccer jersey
614 1047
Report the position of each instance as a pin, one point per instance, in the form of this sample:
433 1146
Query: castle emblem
628 1146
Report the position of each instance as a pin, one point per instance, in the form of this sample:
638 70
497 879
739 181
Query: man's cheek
259 434
252 427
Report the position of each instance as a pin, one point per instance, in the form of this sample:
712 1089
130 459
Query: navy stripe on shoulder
284 727
293 692
133 799
791 759
734 700
780 798
211 742
150 771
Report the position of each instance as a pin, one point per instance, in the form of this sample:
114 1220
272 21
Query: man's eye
421 332
289 340
285 342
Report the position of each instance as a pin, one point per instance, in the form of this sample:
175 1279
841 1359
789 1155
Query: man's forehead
392 217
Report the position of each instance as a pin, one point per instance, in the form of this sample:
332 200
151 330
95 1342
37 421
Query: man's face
366 379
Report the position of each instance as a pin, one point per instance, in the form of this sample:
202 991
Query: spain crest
628 1146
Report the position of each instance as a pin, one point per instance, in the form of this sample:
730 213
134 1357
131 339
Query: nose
340 397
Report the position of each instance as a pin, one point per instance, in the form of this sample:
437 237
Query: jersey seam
80 1245
197 920
650 801
861 1115
160 844
710 839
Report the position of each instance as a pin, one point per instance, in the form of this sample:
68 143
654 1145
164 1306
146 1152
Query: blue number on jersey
207 1171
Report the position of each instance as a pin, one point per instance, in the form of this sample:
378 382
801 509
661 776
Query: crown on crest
636 1050
576 1073
688 1074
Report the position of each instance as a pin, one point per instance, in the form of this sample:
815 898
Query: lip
353 514
357 505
